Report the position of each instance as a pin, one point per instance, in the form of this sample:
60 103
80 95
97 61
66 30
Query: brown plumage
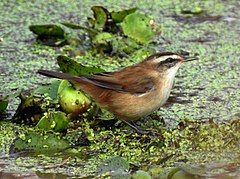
132 92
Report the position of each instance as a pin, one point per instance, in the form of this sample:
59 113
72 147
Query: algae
201 117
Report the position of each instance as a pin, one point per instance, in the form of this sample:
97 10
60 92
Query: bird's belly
131 107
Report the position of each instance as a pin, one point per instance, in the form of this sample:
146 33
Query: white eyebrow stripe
160 59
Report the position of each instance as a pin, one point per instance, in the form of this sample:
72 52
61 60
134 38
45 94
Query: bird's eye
170 60
168 63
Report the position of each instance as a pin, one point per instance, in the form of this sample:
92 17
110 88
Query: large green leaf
39 143
50 90
101 16
29 110
3 106
116 167
70 66
118 16
75 26
56 121
47 30
138 27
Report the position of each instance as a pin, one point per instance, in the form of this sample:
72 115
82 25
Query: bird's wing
103 80
135 83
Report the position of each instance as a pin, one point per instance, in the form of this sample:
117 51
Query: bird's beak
188 59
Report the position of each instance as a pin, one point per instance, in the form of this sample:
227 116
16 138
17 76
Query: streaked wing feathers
127 83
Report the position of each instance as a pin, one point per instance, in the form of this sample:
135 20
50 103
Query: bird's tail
54 74
86 85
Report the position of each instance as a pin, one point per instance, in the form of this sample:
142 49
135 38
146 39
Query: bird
132 92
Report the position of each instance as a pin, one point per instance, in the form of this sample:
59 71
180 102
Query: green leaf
113 164
50 90
3 105
91 21
70 66
101 16
127 45
142 53
29 110
56 121
118 16
102 38
102 42
46 30
138 27
74 26
39 143
140 174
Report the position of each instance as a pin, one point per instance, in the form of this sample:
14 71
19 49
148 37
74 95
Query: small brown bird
132 92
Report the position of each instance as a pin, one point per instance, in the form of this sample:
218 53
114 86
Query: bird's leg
133 126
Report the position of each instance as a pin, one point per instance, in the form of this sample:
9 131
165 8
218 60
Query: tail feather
53 74
86 85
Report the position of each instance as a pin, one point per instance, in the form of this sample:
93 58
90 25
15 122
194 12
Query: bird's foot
139 130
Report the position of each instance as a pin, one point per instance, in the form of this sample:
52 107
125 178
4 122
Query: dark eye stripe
169 62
